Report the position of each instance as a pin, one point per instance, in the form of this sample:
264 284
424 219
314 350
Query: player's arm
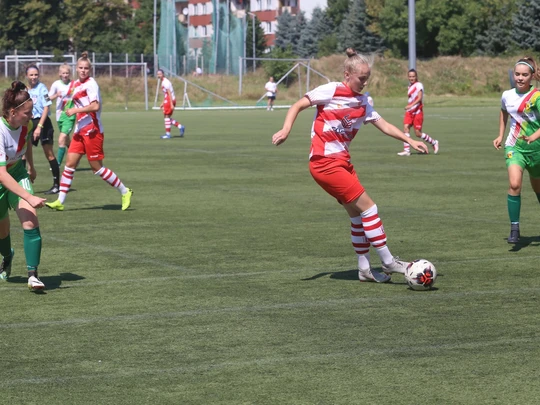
281 136
391 130
92 107
416 100
11 184
29 156
503 119
53 93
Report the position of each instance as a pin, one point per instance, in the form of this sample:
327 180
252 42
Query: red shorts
337 177
89 145
168 107
414 120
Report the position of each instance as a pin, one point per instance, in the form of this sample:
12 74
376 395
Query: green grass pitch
231 280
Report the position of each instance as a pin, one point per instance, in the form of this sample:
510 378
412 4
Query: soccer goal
306 76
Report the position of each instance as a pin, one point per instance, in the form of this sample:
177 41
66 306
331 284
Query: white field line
365 301
358 353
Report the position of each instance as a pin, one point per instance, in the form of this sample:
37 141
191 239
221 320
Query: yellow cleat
56 205
126 199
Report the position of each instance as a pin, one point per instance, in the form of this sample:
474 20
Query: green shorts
65 123
9 200
527 161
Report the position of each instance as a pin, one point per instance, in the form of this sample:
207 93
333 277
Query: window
269 4
204 9
259 5
267 26
204 31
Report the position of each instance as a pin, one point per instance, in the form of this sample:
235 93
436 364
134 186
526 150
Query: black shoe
514 233
52 190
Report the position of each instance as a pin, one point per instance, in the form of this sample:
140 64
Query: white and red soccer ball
421 275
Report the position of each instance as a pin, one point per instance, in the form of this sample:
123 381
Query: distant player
341 110
60 90
522 148
414 114
88 136
16 183
169 102
271 90
43 129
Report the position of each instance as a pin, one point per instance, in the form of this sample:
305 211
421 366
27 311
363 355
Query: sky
308 5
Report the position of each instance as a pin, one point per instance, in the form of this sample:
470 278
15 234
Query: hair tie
20 105
525 63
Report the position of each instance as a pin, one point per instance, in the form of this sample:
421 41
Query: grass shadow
348 275
525 241
107 207
51 282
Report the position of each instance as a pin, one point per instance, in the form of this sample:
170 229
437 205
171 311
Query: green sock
514 207
61 153
32 248
5 247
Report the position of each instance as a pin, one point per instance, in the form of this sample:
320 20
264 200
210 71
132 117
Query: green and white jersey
524 111
63 102
13 143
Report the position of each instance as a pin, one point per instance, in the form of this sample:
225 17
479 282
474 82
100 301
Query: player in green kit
62 90
521 148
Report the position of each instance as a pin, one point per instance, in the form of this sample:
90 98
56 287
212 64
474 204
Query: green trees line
457 27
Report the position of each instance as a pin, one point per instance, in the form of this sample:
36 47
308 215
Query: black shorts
271 97
47 132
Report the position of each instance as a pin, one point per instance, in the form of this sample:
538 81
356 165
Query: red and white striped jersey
340 114
84 93
414 89
167 85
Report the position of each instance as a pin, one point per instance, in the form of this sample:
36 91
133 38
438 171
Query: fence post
240 75
127 61
94 60
142 75
16 65
110 65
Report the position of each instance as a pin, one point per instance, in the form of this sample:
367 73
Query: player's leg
47 142
418 122
515 164
32 235
178 125
75 153
95 155
5 239
65 124
406 130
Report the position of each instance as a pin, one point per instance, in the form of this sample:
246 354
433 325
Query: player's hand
497 143
32 174
37 132
529 139
279 137
36 202
419 146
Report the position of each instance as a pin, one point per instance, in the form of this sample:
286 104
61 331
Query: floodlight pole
412 36
155 23
253 37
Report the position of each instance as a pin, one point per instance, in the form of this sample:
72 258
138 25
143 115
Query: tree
310 36
354 31
140 29
260 40
394 27
97 25
493 37
525 31
277 69
286 31
337 10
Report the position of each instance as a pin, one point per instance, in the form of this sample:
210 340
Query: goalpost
299 66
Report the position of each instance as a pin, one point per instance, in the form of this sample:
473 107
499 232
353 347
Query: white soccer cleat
397 266
405 153
436 147
373 275
35 284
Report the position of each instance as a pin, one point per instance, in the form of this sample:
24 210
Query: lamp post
155 52
185 11
253 36
412 36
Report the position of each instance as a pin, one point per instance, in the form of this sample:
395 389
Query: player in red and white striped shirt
169 102
414 114
88 137
341 111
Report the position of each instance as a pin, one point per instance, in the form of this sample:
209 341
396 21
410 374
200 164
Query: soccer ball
421 275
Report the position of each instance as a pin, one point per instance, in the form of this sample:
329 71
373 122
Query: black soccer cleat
53 190
514 234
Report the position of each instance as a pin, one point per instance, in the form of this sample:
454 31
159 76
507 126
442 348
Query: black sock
55 168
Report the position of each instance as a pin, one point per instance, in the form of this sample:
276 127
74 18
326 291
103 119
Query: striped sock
110 177
168 126
406 146
374 230
65 183
428 138
360 243
175 123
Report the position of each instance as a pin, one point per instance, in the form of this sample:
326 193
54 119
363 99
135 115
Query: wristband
39 125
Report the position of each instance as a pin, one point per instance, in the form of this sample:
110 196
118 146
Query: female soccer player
341 111
169 102
414 114
43 129
16 183
60 90
88 136
521 148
